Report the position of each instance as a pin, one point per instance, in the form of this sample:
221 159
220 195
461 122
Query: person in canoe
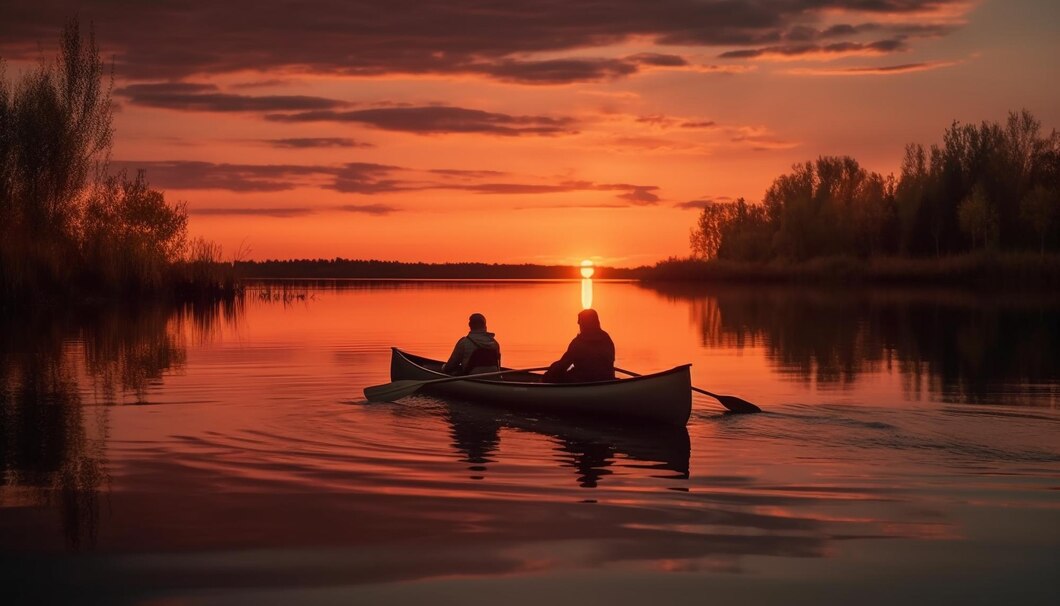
478 352
589 357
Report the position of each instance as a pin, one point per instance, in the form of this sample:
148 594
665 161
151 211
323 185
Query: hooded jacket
589 357
460 360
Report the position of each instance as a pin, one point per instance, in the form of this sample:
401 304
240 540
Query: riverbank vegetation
70 230
984 203
1022 270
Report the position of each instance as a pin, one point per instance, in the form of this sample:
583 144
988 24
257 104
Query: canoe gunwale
416 361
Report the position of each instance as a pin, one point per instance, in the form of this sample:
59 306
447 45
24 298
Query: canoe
663 398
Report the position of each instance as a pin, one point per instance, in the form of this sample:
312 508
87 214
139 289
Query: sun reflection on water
587 268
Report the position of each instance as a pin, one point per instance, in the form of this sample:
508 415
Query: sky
537 131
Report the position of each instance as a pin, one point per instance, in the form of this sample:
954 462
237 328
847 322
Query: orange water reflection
244 451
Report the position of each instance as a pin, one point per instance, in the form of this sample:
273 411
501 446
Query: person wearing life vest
478 352
590 356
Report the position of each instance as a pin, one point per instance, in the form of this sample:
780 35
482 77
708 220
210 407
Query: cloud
179 40
662 121
725 70
288 212
452 172
523 188
883 70
658 60
703 202
818 51
641 196
353 178
367 178
316 142
367 209
438 120
567 71
656 120
573 205
654 144
187 174
433 119
801 33
758 138
247 178
558 71
191 96
228 211
765 143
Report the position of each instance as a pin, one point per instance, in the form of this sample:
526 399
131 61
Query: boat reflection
590 451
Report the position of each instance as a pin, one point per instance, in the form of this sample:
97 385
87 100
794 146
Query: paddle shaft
731 402
482 375
399 389
694 388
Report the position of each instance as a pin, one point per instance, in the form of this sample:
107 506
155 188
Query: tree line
993 186
67 226
370 268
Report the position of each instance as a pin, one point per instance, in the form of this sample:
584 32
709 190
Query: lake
909 451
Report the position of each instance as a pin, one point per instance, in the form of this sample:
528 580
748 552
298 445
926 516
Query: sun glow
587 269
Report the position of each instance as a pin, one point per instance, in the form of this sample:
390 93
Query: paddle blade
392 391
735 404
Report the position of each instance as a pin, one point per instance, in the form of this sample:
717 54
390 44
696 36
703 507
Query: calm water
910 450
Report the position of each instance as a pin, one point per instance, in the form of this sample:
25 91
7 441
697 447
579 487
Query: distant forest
991 187
357 268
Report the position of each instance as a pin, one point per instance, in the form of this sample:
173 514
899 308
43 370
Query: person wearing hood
478 352
590 356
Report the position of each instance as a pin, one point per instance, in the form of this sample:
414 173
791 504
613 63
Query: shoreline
1023 271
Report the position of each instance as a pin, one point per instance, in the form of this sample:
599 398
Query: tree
909 199
705 238
1039 209
60 124
130 233
66 227
831 206
747 234
977 219
975 186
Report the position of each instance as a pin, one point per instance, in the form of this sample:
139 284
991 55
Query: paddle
731 402
406 387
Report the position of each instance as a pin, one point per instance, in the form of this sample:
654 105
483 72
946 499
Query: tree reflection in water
960 346
52 437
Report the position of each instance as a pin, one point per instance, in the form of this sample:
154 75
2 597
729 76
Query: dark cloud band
177 40
437 120
357 178
206 97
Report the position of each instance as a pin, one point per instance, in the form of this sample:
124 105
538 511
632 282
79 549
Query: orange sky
539 131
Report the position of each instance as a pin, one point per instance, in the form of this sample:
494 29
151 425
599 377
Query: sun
587 268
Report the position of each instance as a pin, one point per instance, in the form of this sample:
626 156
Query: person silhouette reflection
477 352
589 357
